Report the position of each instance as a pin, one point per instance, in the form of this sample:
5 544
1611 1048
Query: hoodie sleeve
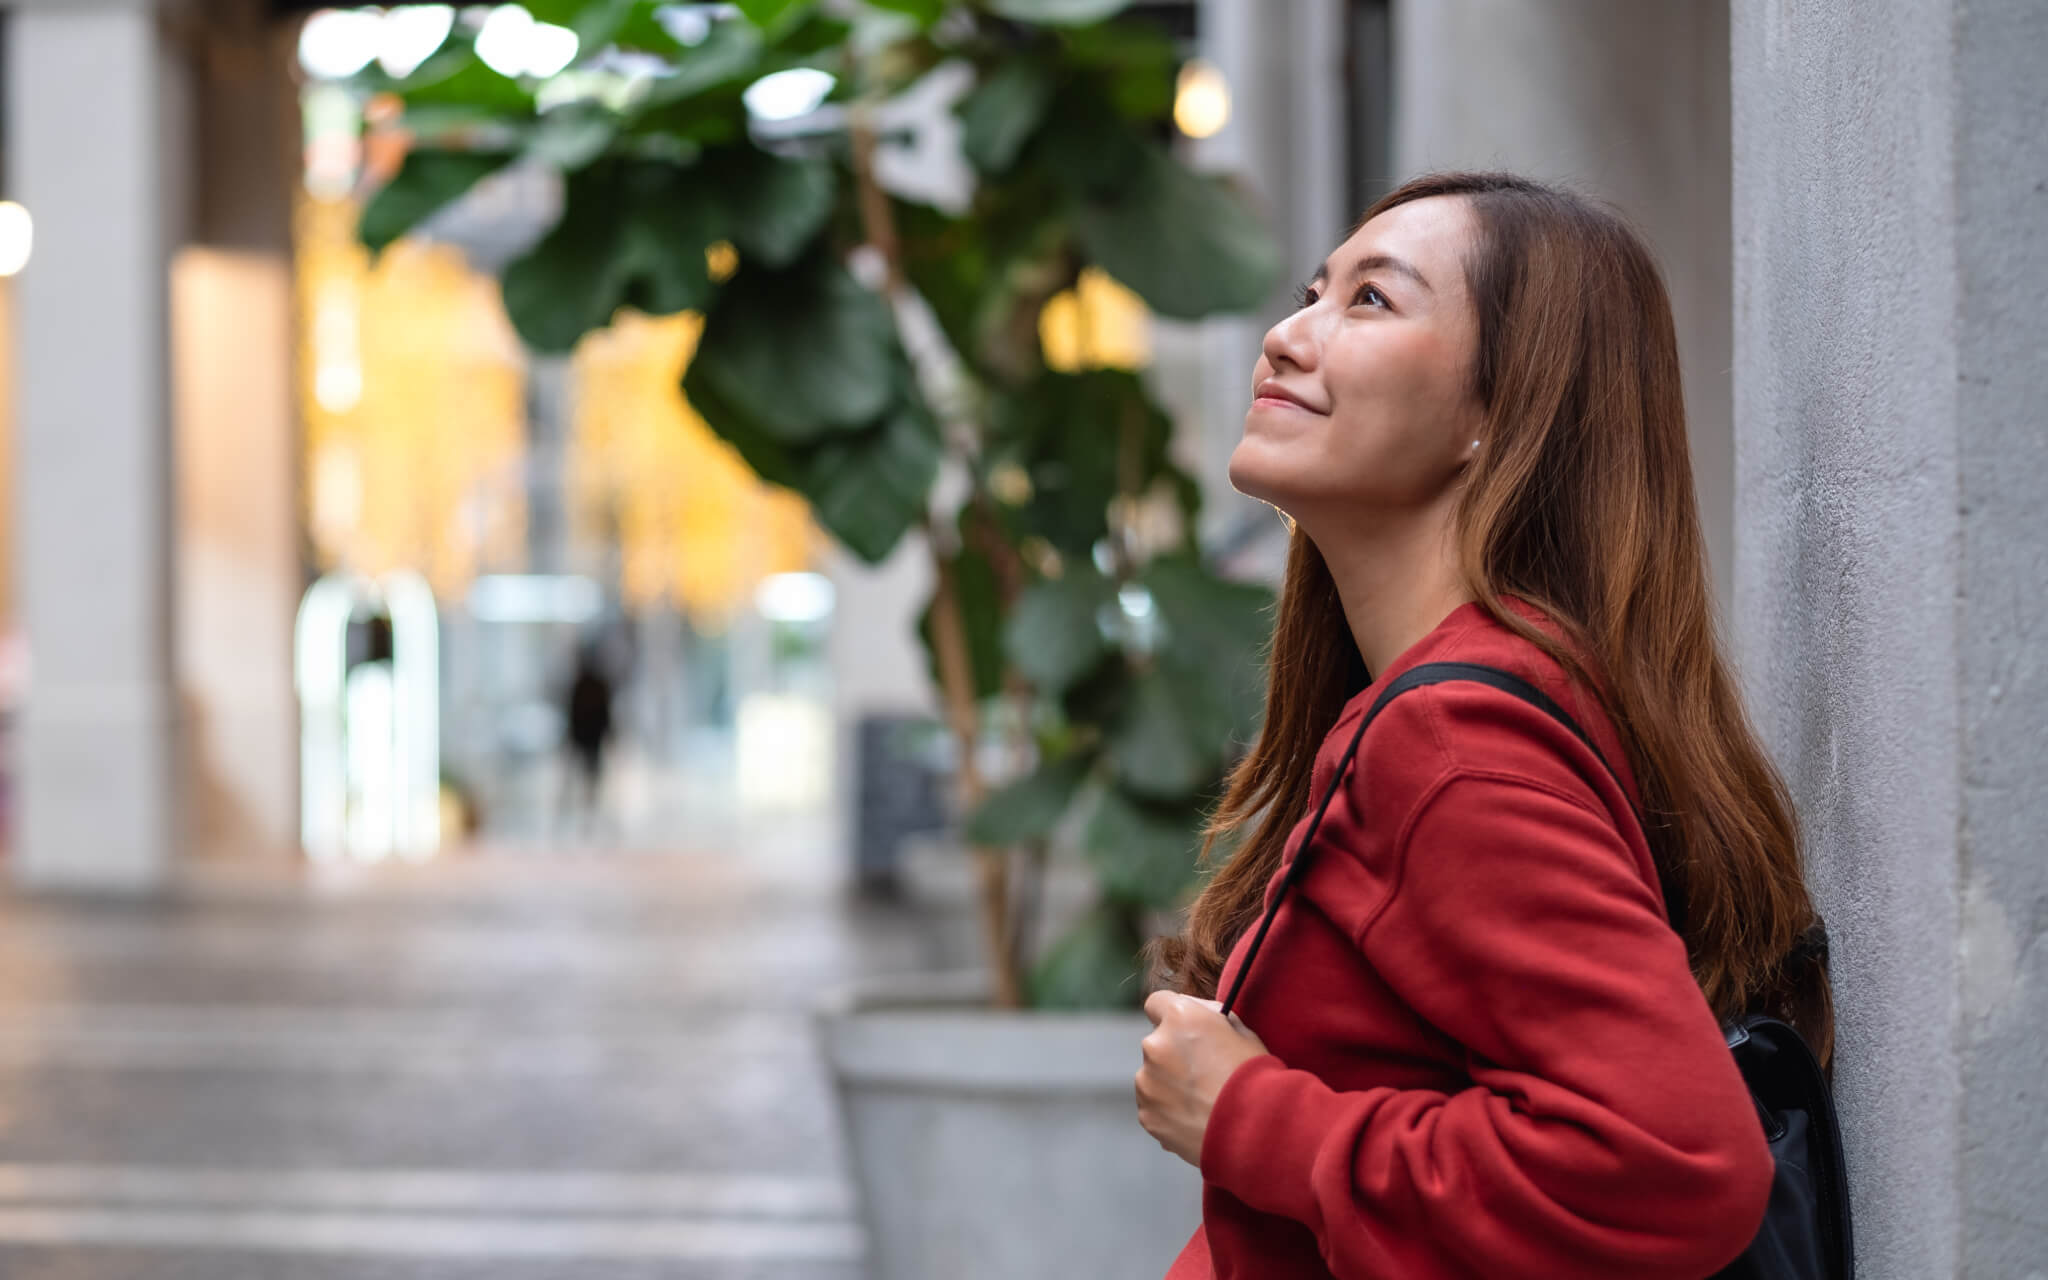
1606 1131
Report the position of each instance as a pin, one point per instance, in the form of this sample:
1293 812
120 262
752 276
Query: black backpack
1806 1232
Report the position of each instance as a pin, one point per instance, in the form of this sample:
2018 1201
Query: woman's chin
1254 472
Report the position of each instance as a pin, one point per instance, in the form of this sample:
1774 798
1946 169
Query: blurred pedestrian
587 729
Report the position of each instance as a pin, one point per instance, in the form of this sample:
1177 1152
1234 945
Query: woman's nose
1290 343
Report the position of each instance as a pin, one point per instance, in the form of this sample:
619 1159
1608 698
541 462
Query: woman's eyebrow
1376 262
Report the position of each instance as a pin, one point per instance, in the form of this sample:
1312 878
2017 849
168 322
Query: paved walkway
497 1066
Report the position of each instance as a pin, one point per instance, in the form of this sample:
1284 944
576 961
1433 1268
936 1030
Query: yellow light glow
414 399
1201 99
413 392
721 260
694 526
1097 324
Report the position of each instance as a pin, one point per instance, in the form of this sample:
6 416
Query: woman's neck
1397 583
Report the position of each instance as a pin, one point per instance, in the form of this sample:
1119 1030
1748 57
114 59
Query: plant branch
949 628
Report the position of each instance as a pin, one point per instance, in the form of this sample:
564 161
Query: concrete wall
1891 550
1617 99
2001 78
238 571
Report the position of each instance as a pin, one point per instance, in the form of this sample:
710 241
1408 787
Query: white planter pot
1001 1146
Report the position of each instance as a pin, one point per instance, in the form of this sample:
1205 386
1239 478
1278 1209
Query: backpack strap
1415 678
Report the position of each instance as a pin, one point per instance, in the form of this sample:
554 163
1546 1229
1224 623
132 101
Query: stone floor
498 1066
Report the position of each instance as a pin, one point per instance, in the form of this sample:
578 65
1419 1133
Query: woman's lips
1271 392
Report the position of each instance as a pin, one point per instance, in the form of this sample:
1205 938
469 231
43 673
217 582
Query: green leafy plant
858 344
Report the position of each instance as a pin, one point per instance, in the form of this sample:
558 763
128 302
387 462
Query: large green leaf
869 489
767 455
629 235
773 208
766 13
1188 244
946 259
977 272
810 350
597 23
1094 965
1088 148
1052 635
699 98
1082 438
1029 808
1003 111
572 135
805 35
866 488
643 30
1214 635
570 282
456 77
661 264
1137 60
1058 12
925 11
1159 745
1145 852
428 181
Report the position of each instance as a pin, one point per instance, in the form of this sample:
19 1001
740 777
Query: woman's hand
1192 1051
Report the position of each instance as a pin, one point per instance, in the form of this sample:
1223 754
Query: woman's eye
1304 295
1368 296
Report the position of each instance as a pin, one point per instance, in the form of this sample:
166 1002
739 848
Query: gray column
1618 99
238 569
95 115
1891 557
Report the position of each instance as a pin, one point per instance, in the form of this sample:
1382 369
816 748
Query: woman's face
1363 403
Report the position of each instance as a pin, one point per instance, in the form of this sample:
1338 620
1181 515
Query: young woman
1474 1043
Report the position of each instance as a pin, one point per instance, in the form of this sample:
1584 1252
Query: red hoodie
1489 1059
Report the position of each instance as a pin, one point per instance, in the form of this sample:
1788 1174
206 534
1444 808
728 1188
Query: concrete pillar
1617 99
1891 553
238 573
96 112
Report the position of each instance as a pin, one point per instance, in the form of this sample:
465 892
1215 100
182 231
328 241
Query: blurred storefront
558 508
237 405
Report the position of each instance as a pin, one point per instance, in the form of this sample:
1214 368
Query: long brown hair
1582 506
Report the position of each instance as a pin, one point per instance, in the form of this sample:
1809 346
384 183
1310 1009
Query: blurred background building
303 555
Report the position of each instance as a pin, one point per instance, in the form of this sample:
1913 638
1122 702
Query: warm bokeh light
1201 99
694 526
413 390
414 397
1098 324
